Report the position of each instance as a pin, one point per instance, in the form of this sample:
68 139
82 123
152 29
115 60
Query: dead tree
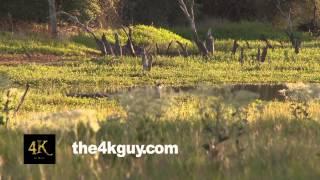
189 14
23 97
10 19
168 48
314 22
6 107
268 44
296 42
157 49
183 48
235 47
150 63
281 44
241 57
53 18
248 45
101 46
118 48
264 54
129 44
258 55
297 45
146 60
108 45
210 42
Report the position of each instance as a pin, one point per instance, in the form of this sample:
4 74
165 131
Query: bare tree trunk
53 18
168 48
314 19
100 44
107 44
11 22
258 55
157 49
146 60
264 54
21 100
118 48
296 42
129 44
183 48
235 47
210 42
248 45
241 58
189 14
6 107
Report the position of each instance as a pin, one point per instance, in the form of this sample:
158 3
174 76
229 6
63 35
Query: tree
189 14
53 18
86 10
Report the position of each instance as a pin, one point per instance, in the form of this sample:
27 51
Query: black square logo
39 149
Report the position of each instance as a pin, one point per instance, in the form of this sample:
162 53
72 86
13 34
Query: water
265 92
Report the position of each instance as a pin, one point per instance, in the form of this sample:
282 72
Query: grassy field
280 138
276 143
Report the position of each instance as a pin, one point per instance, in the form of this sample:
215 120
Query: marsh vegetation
242 100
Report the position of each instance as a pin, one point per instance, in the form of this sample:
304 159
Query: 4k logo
39 149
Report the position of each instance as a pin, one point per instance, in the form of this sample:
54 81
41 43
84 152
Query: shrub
86 9
142 35
37 10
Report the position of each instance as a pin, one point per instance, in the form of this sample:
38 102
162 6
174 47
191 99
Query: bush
142 35
86 9
38 10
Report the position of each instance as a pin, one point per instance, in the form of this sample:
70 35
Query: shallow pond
265 92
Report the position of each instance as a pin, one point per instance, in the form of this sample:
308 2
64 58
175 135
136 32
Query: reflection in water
265 92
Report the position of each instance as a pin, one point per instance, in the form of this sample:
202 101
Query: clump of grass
142 35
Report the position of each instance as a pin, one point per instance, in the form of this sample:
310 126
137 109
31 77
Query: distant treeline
160 12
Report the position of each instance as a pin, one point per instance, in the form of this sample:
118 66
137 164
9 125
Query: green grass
83 43
109 73
142 35
31 43
244 30
279 148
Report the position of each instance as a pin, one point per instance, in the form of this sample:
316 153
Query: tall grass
280 148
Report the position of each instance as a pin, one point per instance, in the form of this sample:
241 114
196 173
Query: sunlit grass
280 149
